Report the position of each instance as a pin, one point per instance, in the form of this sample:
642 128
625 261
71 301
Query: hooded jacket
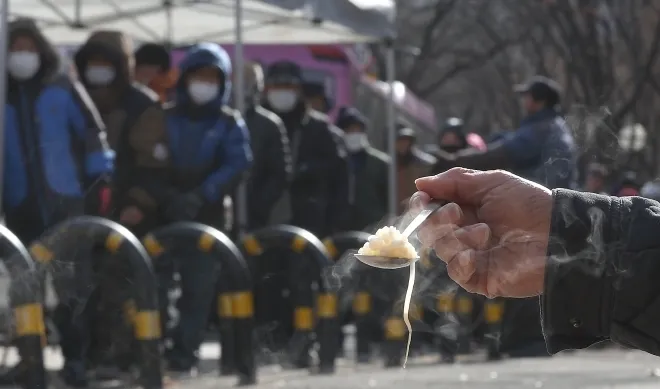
54 142
135 124
210 144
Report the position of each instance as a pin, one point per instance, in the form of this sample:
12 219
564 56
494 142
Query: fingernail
428 178
453 211
482 231
480 227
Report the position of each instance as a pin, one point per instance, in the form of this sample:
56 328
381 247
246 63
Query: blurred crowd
120 133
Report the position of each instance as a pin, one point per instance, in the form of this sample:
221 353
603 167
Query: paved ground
589 370
611 369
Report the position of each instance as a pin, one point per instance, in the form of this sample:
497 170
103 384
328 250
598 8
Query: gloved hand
184 207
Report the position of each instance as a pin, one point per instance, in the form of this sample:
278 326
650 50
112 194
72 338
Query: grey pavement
598 369
612 369
602 369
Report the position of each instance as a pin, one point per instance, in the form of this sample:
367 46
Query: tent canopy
183 22
369 17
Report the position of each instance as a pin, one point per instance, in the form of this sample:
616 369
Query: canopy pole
4 37
239 104
393 198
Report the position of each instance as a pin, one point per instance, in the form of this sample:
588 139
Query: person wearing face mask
210 151
320 191
55 152
135 124
271 169
141 185
369 169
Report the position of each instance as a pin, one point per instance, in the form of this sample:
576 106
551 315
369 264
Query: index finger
459 185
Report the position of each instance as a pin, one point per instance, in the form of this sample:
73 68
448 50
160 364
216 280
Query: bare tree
605 53
453 37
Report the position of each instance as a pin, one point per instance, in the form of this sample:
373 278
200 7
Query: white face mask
100 75
355 141
23 65
282 100
202 92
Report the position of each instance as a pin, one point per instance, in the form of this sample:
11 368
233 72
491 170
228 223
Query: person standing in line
210 151
321 190
141 183
369 168
57 159
270 174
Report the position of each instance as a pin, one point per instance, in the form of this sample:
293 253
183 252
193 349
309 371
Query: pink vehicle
345 86
328 70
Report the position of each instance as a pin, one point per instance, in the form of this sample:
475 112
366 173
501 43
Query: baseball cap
541 89
284 73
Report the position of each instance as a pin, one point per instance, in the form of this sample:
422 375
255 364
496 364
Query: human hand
131 216
495 240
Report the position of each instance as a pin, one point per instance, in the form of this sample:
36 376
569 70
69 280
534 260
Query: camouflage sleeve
148 141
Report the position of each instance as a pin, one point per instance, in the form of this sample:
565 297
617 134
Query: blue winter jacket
55 145
543 150
210 145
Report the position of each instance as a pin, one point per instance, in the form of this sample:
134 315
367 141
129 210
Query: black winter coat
603 271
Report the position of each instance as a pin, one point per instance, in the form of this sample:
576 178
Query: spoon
398 263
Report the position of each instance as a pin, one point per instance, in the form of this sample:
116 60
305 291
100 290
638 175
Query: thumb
459 185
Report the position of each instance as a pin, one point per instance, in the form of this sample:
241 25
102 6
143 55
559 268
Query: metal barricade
25 300
493 314
338 245
235 308
463 308
444 310
325 322
116 239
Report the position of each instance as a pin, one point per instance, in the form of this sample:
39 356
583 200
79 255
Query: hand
131 216
494 243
